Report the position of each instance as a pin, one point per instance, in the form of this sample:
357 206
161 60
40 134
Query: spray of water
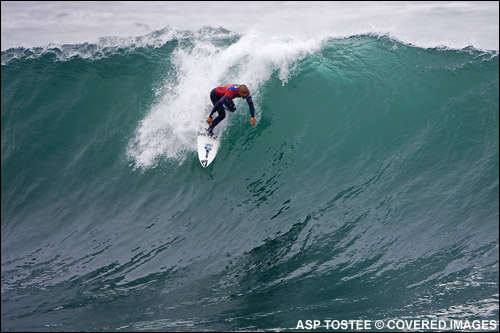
170 128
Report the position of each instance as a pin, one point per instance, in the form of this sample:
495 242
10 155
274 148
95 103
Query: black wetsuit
222 96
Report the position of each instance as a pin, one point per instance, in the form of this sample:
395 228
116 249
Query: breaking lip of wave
110 45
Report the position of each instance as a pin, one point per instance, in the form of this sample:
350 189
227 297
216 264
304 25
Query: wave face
368 190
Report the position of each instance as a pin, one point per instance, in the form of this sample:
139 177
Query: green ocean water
368 190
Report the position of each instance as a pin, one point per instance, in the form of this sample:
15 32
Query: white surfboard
207 148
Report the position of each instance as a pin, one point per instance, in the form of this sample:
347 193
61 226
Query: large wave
369 188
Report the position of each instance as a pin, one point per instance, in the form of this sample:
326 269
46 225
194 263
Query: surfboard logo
204 163
208 148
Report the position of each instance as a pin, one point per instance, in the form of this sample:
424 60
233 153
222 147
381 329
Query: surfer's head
243 91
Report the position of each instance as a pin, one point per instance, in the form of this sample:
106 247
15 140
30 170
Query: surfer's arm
250 104
252 111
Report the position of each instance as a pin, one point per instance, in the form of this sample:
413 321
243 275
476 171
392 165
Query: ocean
367 192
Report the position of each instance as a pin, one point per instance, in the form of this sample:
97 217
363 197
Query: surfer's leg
213 97
221 114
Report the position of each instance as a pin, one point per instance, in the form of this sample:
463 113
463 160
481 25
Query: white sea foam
169 129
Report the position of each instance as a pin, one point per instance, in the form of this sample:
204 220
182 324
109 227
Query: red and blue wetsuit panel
228 92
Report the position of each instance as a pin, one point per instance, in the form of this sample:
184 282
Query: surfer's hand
209 120
252 121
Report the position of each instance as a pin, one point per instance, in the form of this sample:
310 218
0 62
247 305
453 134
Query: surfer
222 96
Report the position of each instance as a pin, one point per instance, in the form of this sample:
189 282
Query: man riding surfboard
222 96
